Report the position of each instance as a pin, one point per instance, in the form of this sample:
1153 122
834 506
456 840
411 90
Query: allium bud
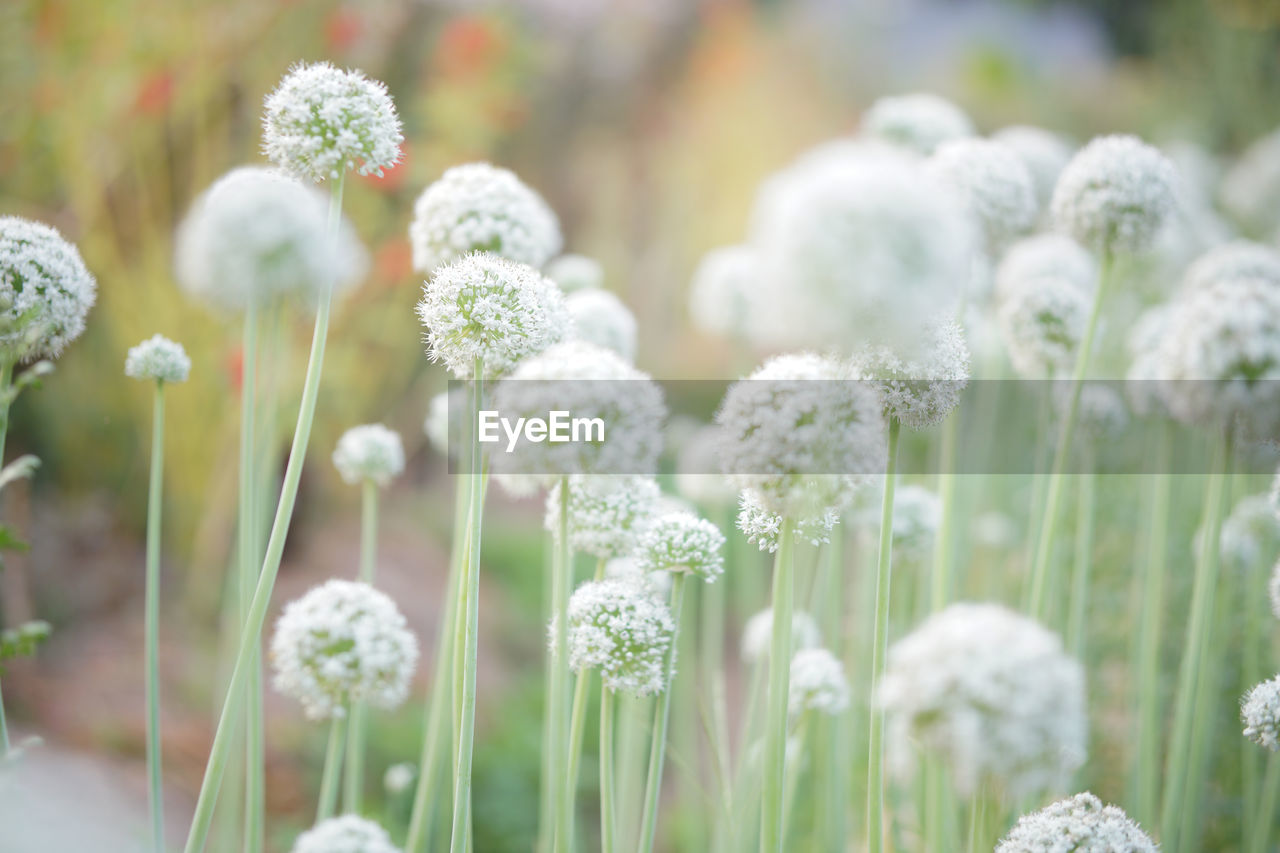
1080 823
1115 194
1046 256
321 121
721 290
994 185
481 208
575 272
607 513
486 309
1042 324
918 122
920 389
1251 188
1260 711
45 290
623 631
757 635
343 642
369 452
159 359
763 527
682 542
1045 154
347 834
598 317
818 683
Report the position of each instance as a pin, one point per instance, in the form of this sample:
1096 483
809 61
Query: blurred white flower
1042 324
1249 535
682 542
1234 260
346 834
818 683
919 390
1251 187
1080 823
575 272
698 478
446 418
1260 711
1115 194
1046 256
1044 153
599 317
1146 337
159 359
757 635
721 291
369 452
45 290
607 513
919 122
623 631
994 185
399 777
763 527
656 583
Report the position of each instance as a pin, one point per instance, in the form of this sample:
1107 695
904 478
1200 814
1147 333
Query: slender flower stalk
561 581
1079 598
775 744
577 727
658 737
332 772
608 809
6 399
1260 832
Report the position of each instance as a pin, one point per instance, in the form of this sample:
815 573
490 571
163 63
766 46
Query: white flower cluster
369 452
607 513
917 512
1146 337
488 309
1042 324
1251 188
343 642
682 542
1079 824
1237 259
1260 711
346 834
1044 153
818 683
599 317
257 234
721 289
45 290
800 433
1101 410
919 390
993 184
321 121
575 272
919 122
990 692
1115 194
757 635
481 208
622 630
1043 256
1249 534
446 414
763 527
159 359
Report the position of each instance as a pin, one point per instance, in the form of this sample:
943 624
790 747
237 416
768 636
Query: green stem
658 738
249 557
607 807
879 649
577 729
1266 811
354 778
547 782
1044 542
152 621
332 769
775 733
252 631
794 766
943 557
561 582
1078 609
6 398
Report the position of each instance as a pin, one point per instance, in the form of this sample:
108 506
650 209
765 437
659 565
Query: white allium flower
481 208
993 184
343 642
321 121
258 234
599 317
1249 534
990 692
856 248
919 122
698 478
1115 194
818 683
1046 256
445 418
763 527
1146 337
45 290
1260 711
1042 324
757 635
485 308
917 512
1044 153
1251 188
1079 824
369 452
1100 412
994 529
1233 260
588 382
347 834
919 390
682 542
656 583
802 433
622 630
607 513
399 777
575 272
159 359
721 290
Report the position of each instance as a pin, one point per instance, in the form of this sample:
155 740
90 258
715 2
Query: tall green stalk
152 620
332 773
577 729
775 733
246 540
1077 618
561 581
6 398
608 839
1260 831
658 737
879 650
252 630
354 778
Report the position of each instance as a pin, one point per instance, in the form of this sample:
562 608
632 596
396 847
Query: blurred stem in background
151 619
6 399
661 713
1078 603
607 808
775 733
558 703
332 772
354 778
577 725
249 561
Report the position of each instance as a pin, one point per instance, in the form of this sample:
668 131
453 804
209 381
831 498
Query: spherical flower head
1044 153
258 234
45 290
720 291
1042 324
347 834
763 527
340 643
918 122
682 542
598 317
1234 260
698 477
993 184
399 777
1260 711
1249 534
1080 823
920 385
575 272
623 631
1046 256
370 452
757 635
1100 412
801 433
991 694
481 208
1250 189
590 383
487 309
158 359
321 121
606 513
1115 194
655 583
818 683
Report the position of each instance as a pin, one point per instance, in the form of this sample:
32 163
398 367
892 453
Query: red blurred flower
235 368
393 261
468 45
343 28
155 92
